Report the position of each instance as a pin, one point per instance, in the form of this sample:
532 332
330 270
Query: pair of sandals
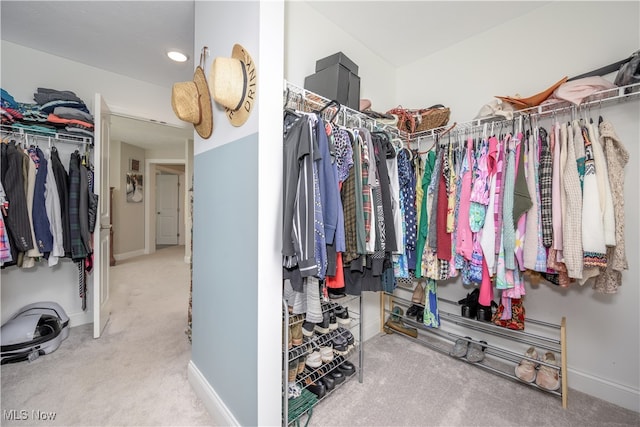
472 350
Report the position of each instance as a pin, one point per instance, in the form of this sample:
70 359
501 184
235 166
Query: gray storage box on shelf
336 78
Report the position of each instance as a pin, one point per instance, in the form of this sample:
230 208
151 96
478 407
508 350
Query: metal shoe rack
552 337
311 344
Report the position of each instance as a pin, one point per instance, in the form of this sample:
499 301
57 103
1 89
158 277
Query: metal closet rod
600 98
321 101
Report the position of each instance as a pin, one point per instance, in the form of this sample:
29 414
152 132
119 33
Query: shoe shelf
502 360
307 378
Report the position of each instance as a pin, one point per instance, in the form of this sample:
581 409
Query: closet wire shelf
308 346
29 135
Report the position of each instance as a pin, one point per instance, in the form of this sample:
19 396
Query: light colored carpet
135 374
407 384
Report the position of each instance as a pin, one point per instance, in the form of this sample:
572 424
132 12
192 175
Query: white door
101 310
167 206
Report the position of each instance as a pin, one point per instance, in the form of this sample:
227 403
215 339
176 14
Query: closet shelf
597 99
502 361
9 131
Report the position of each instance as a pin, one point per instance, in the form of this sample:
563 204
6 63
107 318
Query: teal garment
423 223
357 162
508 230
431 316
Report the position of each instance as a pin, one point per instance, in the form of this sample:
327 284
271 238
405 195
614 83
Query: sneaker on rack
294 390
340 345
342 315
308 328
526 369
314 360
548 377
333 322
347 335
326 353
296 333
324 326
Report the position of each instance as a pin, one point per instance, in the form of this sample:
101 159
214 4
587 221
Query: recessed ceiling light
177 56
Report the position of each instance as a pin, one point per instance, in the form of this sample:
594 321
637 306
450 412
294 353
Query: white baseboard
80 318
187 259
127 255
215 406
618 394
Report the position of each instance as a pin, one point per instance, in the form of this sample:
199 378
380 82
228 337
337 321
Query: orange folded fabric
534 100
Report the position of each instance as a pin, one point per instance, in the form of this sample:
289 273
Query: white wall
525 56
310 36
25 69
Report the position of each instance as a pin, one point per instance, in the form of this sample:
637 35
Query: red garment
55 119
443 239
336 281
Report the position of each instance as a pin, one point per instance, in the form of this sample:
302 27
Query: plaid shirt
348 193
366 188
546 185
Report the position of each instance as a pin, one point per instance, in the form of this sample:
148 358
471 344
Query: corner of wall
215 405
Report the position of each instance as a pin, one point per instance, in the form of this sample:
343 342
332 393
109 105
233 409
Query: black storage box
336 78
337 58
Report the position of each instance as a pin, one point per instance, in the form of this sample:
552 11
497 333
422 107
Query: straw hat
234 84
191 103
532 101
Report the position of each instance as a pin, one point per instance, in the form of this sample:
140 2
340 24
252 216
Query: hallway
135 374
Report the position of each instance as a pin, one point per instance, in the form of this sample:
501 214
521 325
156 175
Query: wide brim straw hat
234 84
191 102
534 100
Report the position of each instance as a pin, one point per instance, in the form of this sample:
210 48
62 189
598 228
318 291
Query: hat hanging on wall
191 101
234 84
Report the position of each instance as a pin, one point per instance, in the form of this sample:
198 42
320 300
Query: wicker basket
423 119
432 117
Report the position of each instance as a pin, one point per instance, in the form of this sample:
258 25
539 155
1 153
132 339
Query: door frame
149 211
166 188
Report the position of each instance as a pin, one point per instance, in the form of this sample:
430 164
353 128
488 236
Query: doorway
170 224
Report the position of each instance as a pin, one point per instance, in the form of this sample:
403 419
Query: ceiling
131 38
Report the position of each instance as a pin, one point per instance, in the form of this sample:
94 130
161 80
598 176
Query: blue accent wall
225 270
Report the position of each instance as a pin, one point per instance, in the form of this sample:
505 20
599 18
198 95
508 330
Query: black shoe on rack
315 387
347 335
336 293
342 315
347 368
337 376
324 326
